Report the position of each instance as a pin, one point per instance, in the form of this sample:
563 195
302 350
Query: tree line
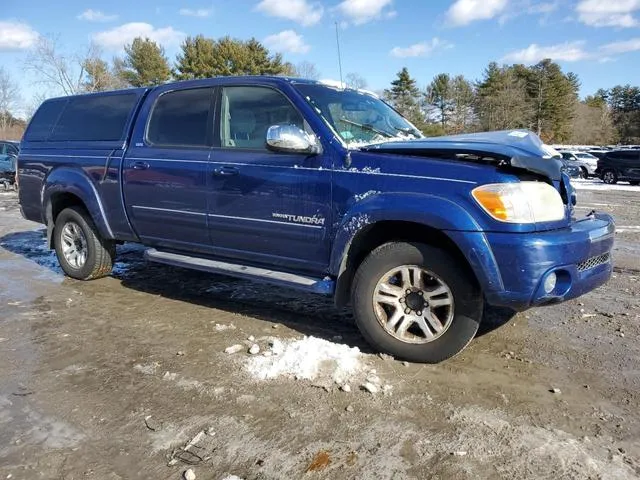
541 97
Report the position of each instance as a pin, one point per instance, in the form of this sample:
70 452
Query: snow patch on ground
491 437
579 184
307 359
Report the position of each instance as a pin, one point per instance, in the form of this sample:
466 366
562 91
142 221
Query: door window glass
181 118
248 112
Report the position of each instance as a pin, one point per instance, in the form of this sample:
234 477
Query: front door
266 207
165 171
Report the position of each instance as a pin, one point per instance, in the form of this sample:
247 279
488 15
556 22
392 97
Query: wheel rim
413 304
608 177
74 245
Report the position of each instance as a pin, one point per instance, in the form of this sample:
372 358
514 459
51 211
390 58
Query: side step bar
309 284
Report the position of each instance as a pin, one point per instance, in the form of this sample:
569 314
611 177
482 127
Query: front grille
594 262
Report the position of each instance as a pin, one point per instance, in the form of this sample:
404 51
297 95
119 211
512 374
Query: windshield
358 118
586 155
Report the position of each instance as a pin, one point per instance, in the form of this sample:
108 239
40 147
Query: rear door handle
225 171
140 165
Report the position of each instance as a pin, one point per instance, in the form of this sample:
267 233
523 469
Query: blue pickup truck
319 188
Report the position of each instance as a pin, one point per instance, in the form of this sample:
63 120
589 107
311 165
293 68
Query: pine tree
554 97
196 58
405 97
237 57
439 97
462 99
502 100
624 102
145 64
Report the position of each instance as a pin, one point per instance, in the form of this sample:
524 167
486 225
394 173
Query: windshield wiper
365 126
405 130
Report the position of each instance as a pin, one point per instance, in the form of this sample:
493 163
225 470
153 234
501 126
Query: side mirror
292 139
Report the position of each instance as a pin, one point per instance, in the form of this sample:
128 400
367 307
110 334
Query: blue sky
597 39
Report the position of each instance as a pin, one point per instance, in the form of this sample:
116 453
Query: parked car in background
587 163
599 153
573 171
8 156
620 165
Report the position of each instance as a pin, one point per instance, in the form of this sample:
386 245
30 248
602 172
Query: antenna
339 56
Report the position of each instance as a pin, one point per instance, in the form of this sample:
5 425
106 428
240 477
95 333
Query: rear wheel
83 254
416 302
609 177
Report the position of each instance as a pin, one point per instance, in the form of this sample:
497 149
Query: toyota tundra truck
324 189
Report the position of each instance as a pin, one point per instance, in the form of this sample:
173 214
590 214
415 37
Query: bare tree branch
53 68
9 99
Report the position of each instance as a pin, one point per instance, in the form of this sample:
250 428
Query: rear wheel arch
374 235
66 187
56 203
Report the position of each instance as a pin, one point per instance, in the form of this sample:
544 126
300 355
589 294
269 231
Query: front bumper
592 169
512 274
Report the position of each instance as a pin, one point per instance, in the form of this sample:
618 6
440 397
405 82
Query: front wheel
609 177
83 254
416 302
584 173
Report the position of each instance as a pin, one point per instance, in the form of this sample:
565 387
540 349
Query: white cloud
199 12
287 41
528 7
608 13
542 8
363 11
420 49
300 11
96 16
631 45
566 52
117 37
16 36
464 12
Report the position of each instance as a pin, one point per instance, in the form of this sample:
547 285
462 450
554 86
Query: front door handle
225 171
140 165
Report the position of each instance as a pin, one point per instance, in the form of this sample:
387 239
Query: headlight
522 202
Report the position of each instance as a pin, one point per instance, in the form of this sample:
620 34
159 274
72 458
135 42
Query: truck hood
519 149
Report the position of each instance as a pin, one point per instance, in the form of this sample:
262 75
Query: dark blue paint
220 203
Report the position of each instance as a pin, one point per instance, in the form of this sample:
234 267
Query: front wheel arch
379 233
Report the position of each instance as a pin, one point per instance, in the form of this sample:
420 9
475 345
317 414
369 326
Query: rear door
266 207
165 168
630 164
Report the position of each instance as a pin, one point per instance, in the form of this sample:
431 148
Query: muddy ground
112 379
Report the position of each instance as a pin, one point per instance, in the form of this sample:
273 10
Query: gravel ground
127 377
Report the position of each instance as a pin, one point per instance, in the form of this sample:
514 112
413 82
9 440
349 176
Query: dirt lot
127 377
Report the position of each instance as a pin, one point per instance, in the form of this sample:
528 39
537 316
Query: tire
609 177
584 173
75 231
459 321
634 183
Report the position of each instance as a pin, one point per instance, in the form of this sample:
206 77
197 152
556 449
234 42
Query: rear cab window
94 118
102 117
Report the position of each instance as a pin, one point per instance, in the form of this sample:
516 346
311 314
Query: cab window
246 113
